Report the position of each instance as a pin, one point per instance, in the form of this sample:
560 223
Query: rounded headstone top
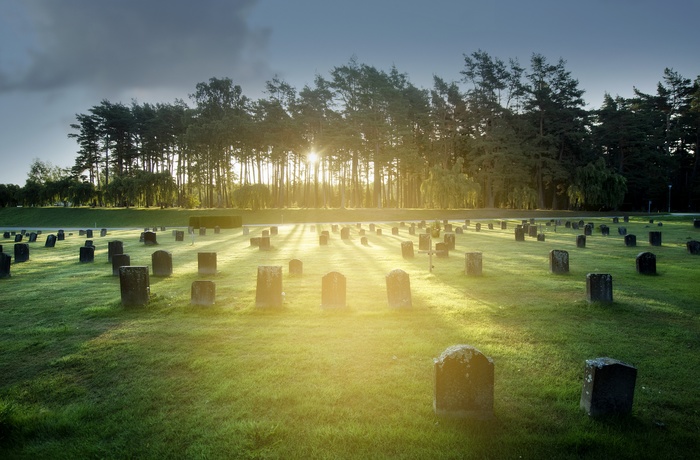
462 352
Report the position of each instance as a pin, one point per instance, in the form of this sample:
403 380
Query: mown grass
81 376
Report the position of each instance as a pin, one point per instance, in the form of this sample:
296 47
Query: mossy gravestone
608 387
472 263
118 261
599 287
162 263
203 292
268 293
206 262
463 384
558 261
424 242
449 240
581 241
407 249
519 233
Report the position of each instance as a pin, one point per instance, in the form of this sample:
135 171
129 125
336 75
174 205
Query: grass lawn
81 376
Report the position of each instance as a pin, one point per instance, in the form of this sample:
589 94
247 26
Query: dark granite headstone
5 263
203 292
268 293
490 225
463 384
449 240
504 225
616 220
532 231
21 252
6 235
580 241
162 263
473 263
202 231
622 231
407 249
18 237
558 261
604 230
61 235
424 242
206 263
87 254
50 241
88 233
540 237
646 263
630 240
333 290
599 287
626 219
477 227
398 289
32 237
693 247
149 238
588 230
113 248
179 235
519 233
296 267
442 250
89 244
135 285
655 238
696 223
217 230
608 387
103 232
118 261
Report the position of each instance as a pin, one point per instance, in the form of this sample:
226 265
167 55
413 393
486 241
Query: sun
312 157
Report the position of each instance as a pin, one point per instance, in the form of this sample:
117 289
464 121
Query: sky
59 58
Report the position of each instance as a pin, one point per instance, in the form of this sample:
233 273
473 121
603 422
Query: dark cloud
113 45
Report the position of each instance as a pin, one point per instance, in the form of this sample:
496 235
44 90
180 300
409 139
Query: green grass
82 377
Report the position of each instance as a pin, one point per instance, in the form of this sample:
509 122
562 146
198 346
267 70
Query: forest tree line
504 136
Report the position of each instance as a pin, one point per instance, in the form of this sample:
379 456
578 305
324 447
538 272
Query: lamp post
669 198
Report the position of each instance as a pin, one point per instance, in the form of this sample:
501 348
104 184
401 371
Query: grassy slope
80 376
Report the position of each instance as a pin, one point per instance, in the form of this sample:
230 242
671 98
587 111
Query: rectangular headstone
162 263
333 290
50 241
87 254
473 263
113 248
407 249
398 289
135 285
268 293
5 264
608 387
646 263
21 252
118 261
599 287
206 263
558 261
296 267
203 292
655 238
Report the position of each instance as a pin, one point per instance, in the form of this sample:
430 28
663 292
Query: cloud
113 45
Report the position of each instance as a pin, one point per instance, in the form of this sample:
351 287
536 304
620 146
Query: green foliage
255 196
449 188
598 187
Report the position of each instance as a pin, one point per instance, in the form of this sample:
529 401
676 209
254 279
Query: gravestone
87 254
558 261
490 225
540 237
630 240
6 235
574 225
693 247
81 232
50 241
580 241
363 241
622 231
268 293
394 231
333 290
532 231
5 263
334 228
608 387
646 263
504 225
255 241
459 231
655 238
626 219
162 263
567 224
463 384
103 232
588 230
345 233
18 237
581 223
448 227
265 244
149 238
203 292
616 220
467 222
113 248
605 230
296 267
246 231
442 250
412 231
202 231
89 244
118 261
135 285
696 223
599 287
472 263
206 263
217 230
323 240
32 237
449 240
61 235
477 227
266 233
379 232
424 242
21 252
179 235
407 249
372 227
519 233
142 237
361 232
88 233
398 289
